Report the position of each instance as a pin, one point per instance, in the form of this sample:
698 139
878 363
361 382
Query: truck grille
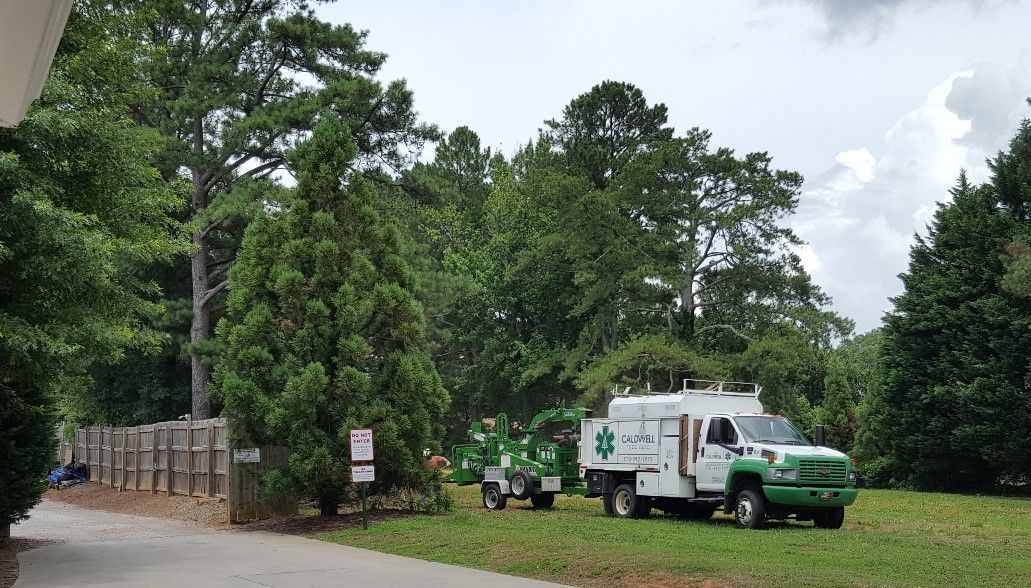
832 472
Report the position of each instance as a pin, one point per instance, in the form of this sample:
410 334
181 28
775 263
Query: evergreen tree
81 211
239 83
956 397
837 411
323 334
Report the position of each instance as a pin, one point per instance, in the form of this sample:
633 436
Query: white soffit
29 33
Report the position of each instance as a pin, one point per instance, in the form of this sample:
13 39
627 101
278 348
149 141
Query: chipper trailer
708 447
538 463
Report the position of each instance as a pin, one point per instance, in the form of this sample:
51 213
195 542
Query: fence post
168 452
153 459
136 462
189 455
211 458
125 465
89 472
111 457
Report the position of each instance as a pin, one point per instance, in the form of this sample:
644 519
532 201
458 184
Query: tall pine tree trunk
201 322
199 329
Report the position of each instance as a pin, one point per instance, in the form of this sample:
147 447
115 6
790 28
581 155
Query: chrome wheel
491 498
621 503
745 511
518 485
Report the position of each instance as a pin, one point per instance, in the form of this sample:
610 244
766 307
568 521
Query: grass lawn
890 538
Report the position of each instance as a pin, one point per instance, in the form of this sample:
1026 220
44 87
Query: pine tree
323 334
956 397
239 83
837 411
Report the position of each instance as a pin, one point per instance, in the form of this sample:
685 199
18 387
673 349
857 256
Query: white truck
711 446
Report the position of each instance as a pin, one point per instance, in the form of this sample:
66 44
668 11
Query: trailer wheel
542 500
521 485
750 510
829 518
606 503
493 499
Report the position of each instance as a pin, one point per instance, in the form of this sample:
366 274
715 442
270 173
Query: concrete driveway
107 549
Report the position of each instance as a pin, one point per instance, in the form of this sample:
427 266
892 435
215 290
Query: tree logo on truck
606 445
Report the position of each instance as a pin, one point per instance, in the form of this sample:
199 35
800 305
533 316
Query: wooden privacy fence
188 458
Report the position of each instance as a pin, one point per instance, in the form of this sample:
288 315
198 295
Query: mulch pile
202 511
316 525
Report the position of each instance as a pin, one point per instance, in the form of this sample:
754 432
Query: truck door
714 458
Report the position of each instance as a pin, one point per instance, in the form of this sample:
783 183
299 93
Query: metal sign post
362 451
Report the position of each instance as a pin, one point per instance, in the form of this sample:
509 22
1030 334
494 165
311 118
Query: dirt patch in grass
203 511
308 525
667 580
9 551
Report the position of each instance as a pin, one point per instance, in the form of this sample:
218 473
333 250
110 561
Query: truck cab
708 447
765 468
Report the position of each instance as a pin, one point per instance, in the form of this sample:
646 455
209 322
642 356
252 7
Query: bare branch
213 292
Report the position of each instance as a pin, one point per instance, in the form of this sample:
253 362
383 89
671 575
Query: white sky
879 103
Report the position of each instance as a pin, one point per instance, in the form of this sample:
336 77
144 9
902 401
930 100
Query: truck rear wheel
829 518
750 509
627 504
521 484
493 499
543 500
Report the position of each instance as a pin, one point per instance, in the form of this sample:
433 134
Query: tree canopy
81 211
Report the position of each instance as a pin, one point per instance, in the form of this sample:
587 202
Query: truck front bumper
809 496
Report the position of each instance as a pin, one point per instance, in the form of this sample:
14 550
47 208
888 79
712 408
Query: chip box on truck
708 447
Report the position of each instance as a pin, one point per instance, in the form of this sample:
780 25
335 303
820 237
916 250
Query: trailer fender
506 488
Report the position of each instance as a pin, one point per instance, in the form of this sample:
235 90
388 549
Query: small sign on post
363 473
252 455
361 445
362 450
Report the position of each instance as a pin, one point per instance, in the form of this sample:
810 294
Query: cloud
848 16
859 216
870 18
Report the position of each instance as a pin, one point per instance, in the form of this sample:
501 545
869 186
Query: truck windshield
770 429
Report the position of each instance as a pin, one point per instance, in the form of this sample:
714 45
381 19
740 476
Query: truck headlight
784 474
852 476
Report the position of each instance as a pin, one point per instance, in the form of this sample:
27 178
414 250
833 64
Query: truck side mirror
820 436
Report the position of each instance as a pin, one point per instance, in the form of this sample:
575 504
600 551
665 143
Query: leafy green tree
81 210
789 369
239 83
670 236
323 334
955 396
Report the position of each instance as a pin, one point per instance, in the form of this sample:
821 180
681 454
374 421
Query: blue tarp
66 473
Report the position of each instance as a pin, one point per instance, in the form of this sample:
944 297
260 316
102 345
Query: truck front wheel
829 518
750 509
493 499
